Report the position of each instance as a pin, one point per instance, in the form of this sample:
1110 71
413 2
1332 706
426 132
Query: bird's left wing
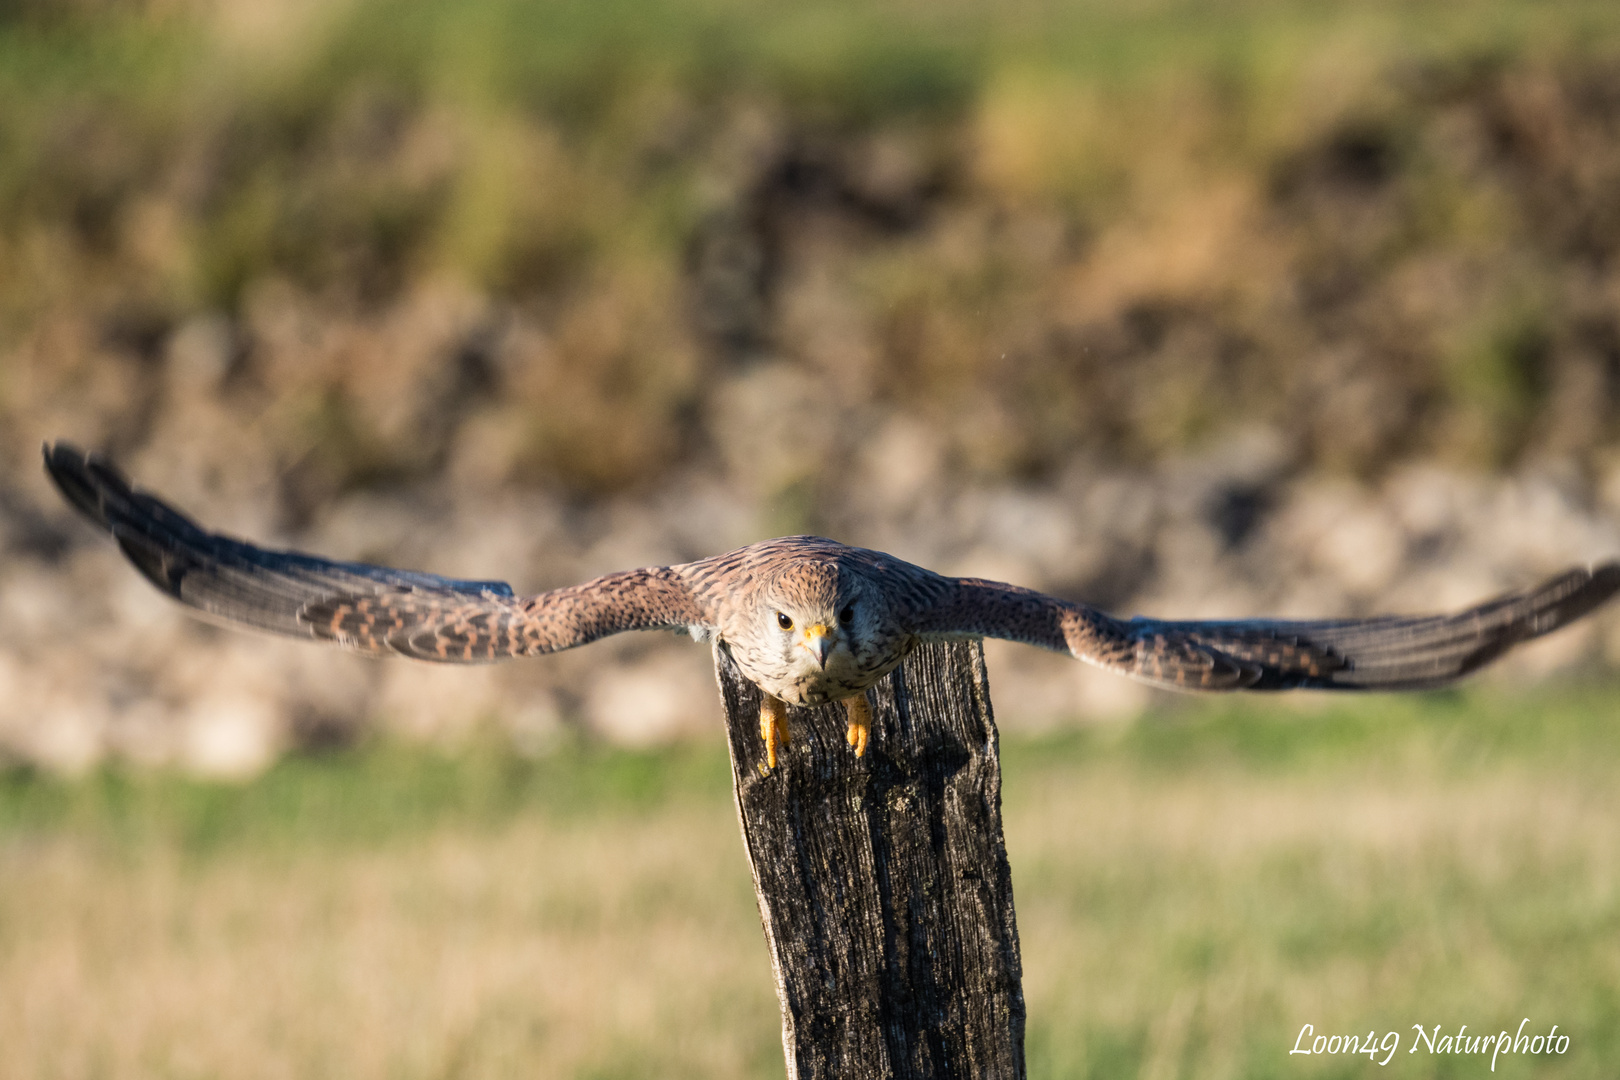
1393 652
371 609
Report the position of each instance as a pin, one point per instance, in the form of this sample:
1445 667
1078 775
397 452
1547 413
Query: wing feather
370 609
1395 652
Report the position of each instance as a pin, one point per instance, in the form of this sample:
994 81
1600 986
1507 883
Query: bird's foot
860 723
773 728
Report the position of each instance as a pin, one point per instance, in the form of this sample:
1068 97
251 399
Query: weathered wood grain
882 881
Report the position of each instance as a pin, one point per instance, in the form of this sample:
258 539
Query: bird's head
814 613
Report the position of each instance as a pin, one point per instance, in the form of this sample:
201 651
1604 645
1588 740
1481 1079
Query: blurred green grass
359 796
387 788
1191 888
99 102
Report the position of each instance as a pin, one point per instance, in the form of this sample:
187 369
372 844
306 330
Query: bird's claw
773 728
859 732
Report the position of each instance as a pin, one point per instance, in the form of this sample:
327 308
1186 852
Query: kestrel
808 620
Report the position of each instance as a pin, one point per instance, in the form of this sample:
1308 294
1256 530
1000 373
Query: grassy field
1192 889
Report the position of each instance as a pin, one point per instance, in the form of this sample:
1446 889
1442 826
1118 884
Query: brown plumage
809 620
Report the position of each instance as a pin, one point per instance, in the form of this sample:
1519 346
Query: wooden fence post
882 881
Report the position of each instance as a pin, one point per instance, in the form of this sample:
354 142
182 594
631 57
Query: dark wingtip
99 491
70 469
1603 582
91 484
1607 576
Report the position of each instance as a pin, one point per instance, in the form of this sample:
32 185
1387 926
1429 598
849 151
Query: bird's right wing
370 609
1392 652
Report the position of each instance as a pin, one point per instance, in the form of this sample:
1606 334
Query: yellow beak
818 639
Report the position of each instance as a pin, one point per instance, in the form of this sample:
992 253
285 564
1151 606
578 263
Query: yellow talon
860 723
773 728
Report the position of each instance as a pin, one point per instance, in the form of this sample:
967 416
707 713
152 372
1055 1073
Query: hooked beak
819 640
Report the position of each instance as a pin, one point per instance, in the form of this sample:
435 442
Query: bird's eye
847 616
783 621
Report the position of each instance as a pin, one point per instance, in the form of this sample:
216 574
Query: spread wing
371 609
1393 652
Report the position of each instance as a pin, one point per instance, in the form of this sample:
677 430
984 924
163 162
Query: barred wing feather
1397 652
371 609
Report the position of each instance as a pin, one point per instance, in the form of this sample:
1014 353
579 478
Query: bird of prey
808 620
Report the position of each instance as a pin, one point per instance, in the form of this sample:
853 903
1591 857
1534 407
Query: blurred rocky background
1184 309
